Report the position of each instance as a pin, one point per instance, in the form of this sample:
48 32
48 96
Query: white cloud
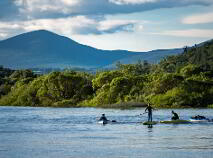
70 2
33 6
199 19
3 35
66 26
79 25
70 26
36 9
125 2
4 25
110 24
200 33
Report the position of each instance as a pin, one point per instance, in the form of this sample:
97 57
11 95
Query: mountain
199 58
153 56
44 49
201 55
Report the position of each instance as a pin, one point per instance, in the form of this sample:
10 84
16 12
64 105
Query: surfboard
106 122
175 121
150 123
198 121
102 122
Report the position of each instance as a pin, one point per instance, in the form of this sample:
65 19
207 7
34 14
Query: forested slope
185 80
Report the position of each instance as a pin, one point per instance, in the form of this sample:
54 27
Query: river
27 132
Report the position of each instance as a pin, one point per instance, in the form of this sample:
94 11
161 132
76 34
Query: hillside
44 49
152 56
200 55
185 80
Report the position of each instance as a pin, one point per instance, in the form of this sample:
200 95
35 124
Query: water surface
27 132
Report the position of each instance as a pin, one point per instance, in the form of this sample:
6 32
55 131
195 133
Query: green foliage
210 106
177 81
190 70
4 89
104 78
5 72
169 64
176 97
135 69
161 83
201 56
50 90
22 74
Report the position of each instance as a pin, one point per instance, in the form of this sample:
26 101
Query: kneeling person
175 116
103 118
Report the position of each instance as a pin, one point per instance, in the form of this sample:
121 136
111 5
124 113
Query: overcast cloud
36 9
91 17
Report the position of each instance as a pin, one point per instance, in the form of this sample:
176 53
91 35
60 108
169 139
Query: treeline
185 80
5 84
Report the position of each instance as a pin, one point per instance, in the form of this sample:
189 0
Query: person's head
103 114
173 112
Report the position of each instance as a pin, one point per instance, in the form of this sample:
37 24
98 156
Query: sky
134 25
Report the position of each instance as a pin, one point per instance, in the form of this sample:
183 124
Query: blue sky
135 25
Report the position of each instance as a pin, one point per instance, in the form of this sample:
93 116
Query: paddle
143 113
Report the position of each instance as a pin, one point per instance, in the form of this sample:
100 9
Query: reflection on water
150 128
48 132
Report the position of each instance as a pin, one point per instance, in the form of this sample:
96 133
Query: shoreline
125 105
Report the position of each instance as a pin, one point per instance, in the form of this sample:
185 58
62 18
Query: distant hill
44 49
200 55
152 56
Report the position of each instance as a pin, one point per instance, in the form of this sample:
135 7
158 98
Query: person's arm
104 118
101 118
178 116
145 109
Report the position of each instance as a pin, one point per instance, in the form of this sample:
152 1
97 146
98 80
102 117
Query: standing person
149 109
175 116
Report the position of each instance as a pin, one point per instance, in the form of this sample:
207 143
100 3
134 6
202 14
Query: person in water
199 117
103 118
175 116
149 109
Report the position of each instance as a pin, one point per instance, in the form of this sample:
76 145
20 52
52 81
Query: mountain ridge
45 49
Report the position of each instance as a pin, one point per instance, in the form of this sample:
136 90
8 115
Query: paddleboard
103 122
175 121
106 122
150 123
198 121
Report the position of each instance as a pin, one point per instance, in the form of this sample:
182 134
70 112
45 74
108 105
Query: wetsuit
198 117
175 116
103 118
149 109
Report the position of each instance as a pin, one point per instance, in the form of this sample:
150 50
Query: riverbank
127 105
